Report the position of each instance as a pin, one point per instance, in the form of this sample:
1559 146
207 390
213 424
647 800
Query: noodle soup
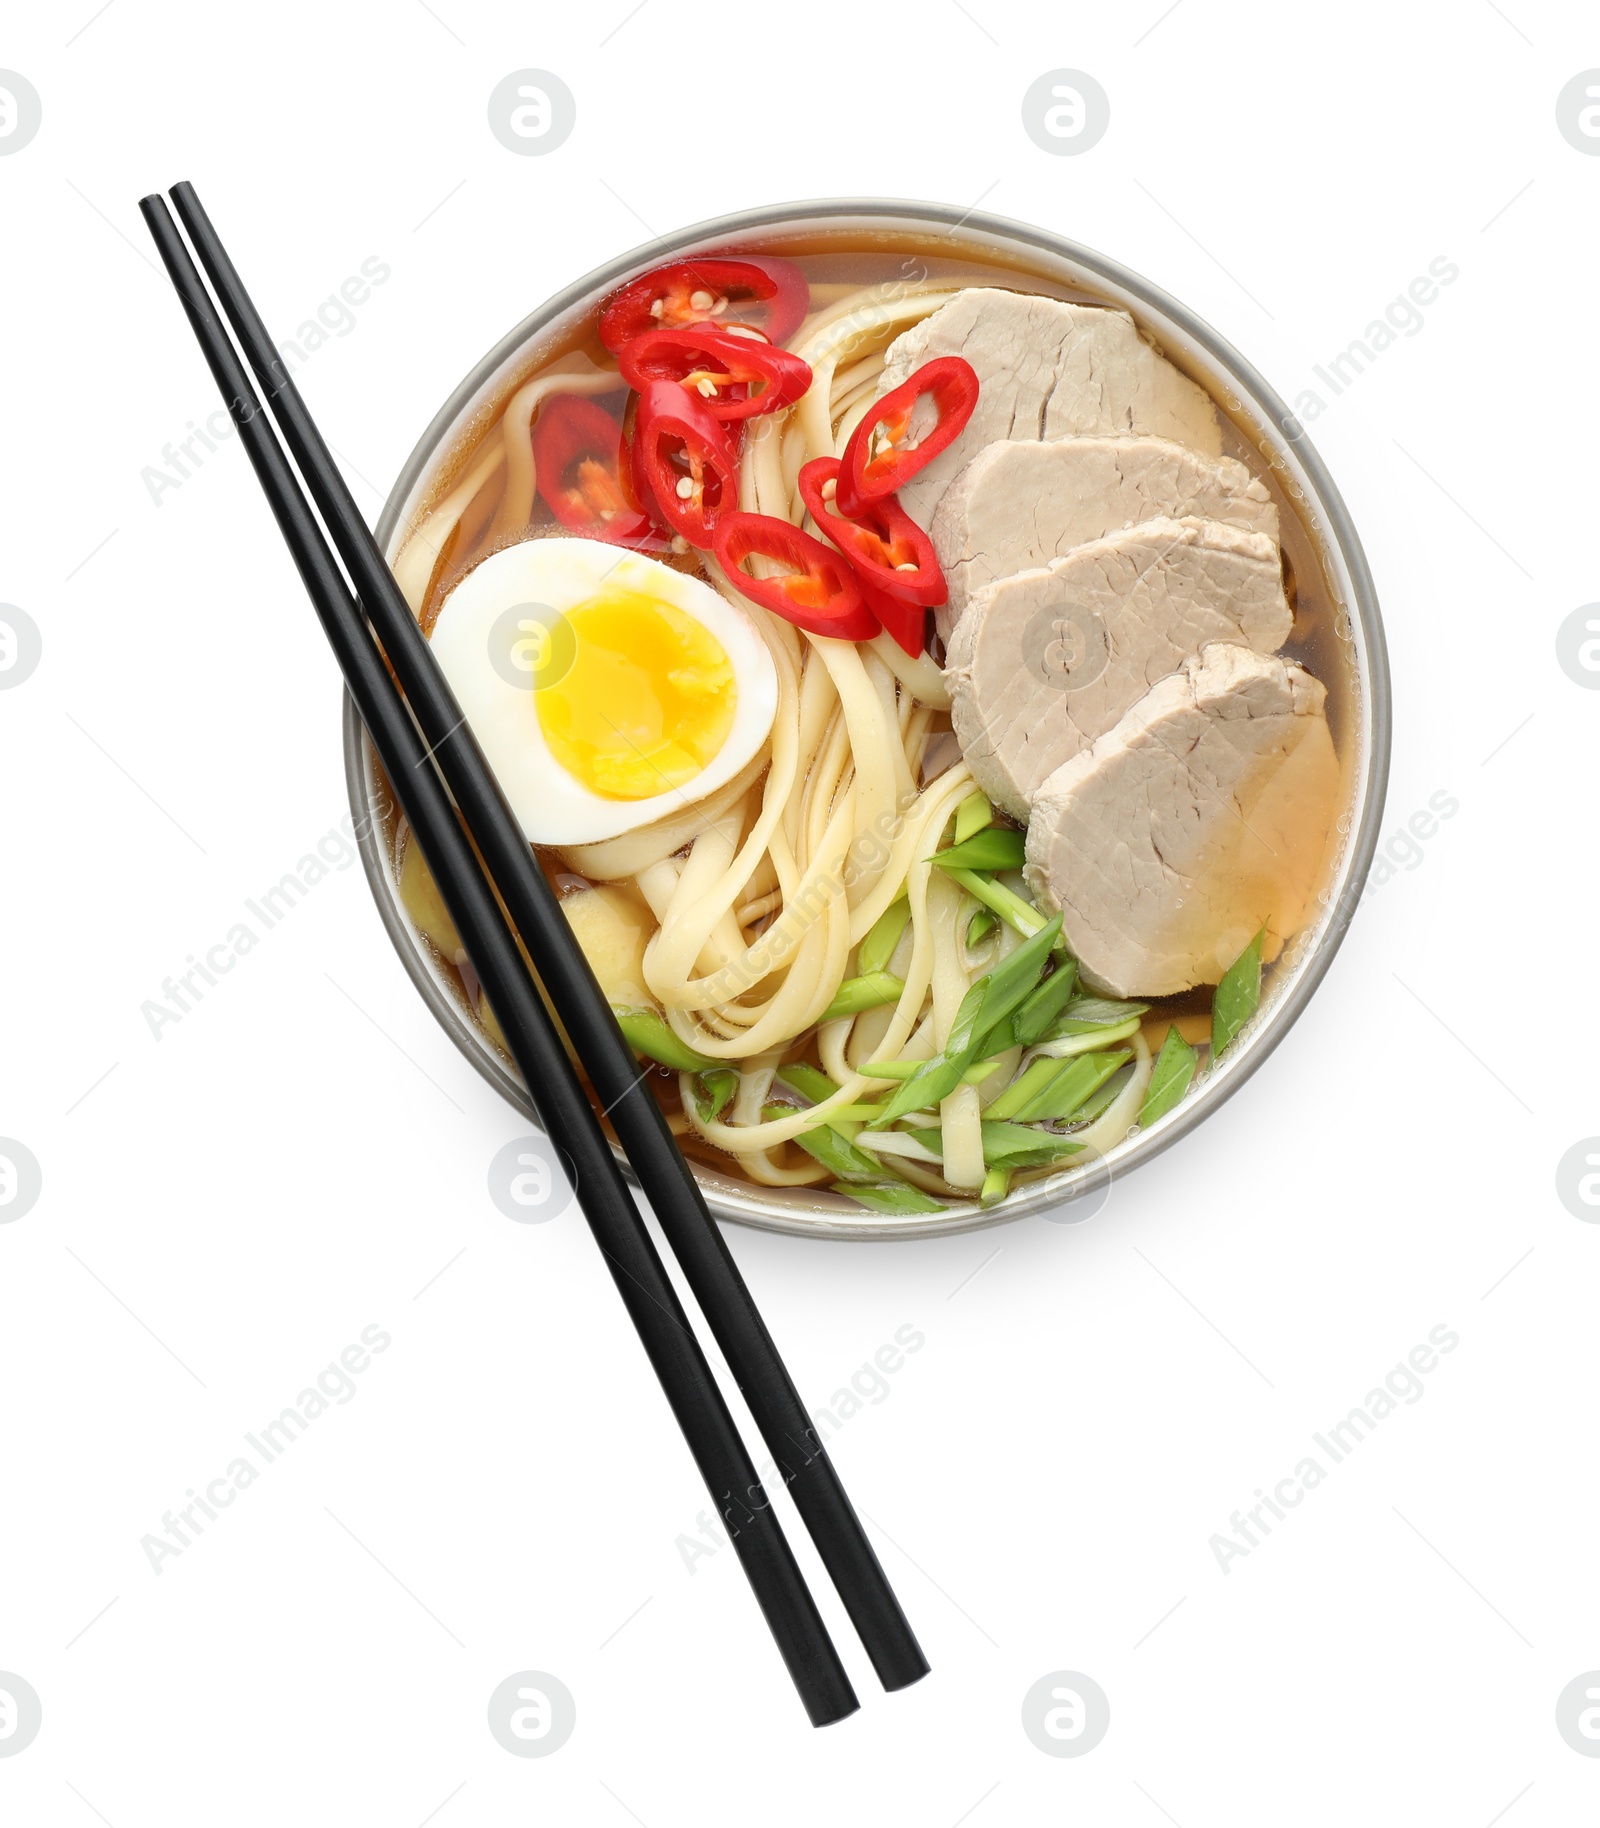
856 855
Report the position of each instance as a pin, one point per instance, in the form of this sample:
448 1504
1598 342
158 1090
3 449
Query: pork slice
1018 505
1046 370
1044 661
1206 814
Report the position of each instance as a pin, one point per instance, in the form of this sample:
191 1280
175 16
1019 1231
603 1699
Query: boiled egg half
606 689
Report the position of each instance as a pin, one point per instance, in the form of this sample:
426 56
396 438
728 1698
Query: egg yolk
647 701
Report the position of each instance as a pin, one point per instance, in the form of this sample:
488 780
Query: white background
304 1153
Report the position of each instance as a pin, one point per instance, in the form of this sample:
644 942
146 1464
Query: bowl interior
1258 428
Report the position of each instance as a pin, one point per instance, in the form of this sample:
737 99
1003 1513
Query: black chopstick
666 1177
618 1227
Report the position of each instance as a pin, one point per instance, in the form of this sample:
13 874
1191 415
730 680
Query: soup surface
926 701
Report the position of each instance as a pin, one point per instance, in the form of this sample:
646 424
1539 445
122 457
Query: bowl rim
1338 540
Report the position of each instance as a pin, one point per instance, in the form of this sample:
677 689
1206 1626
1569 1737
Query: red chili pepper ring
736 377
708 287
819 592
577 448
885 450
683 459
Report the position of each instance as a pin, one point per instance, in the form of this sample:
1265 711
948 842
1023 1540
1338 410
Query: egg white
552 806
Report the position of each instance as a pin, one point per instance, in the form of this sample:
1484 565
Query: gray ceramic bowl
1261 419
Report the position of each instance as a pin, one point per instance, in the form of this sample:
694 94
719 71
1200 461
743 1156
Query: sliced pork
1202 816
1019 504
1044 661
1046 370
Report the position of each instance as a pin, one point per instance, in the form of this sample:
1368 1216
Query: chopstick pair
416 754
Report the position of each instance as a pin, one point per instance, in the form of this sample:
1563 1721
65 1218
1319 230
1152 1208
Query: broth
836 264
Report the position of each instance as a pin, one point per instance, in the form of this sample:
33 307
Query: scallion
1084 1013
987 1003
1007 985
1088 1039
883 1196
1170 1077
1022 1091
995 847
875 951
1097 1103
1009 905
713 1092
972 815
933 1079
647 1033
996 1185
1042 1005
903 1069
1237 997
809 1081
837 1153
981 925
866 992
1013 1145
1010 1145
1074 1082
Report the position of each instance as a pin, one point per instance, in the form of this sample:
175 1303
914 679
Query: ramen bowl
1323 550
